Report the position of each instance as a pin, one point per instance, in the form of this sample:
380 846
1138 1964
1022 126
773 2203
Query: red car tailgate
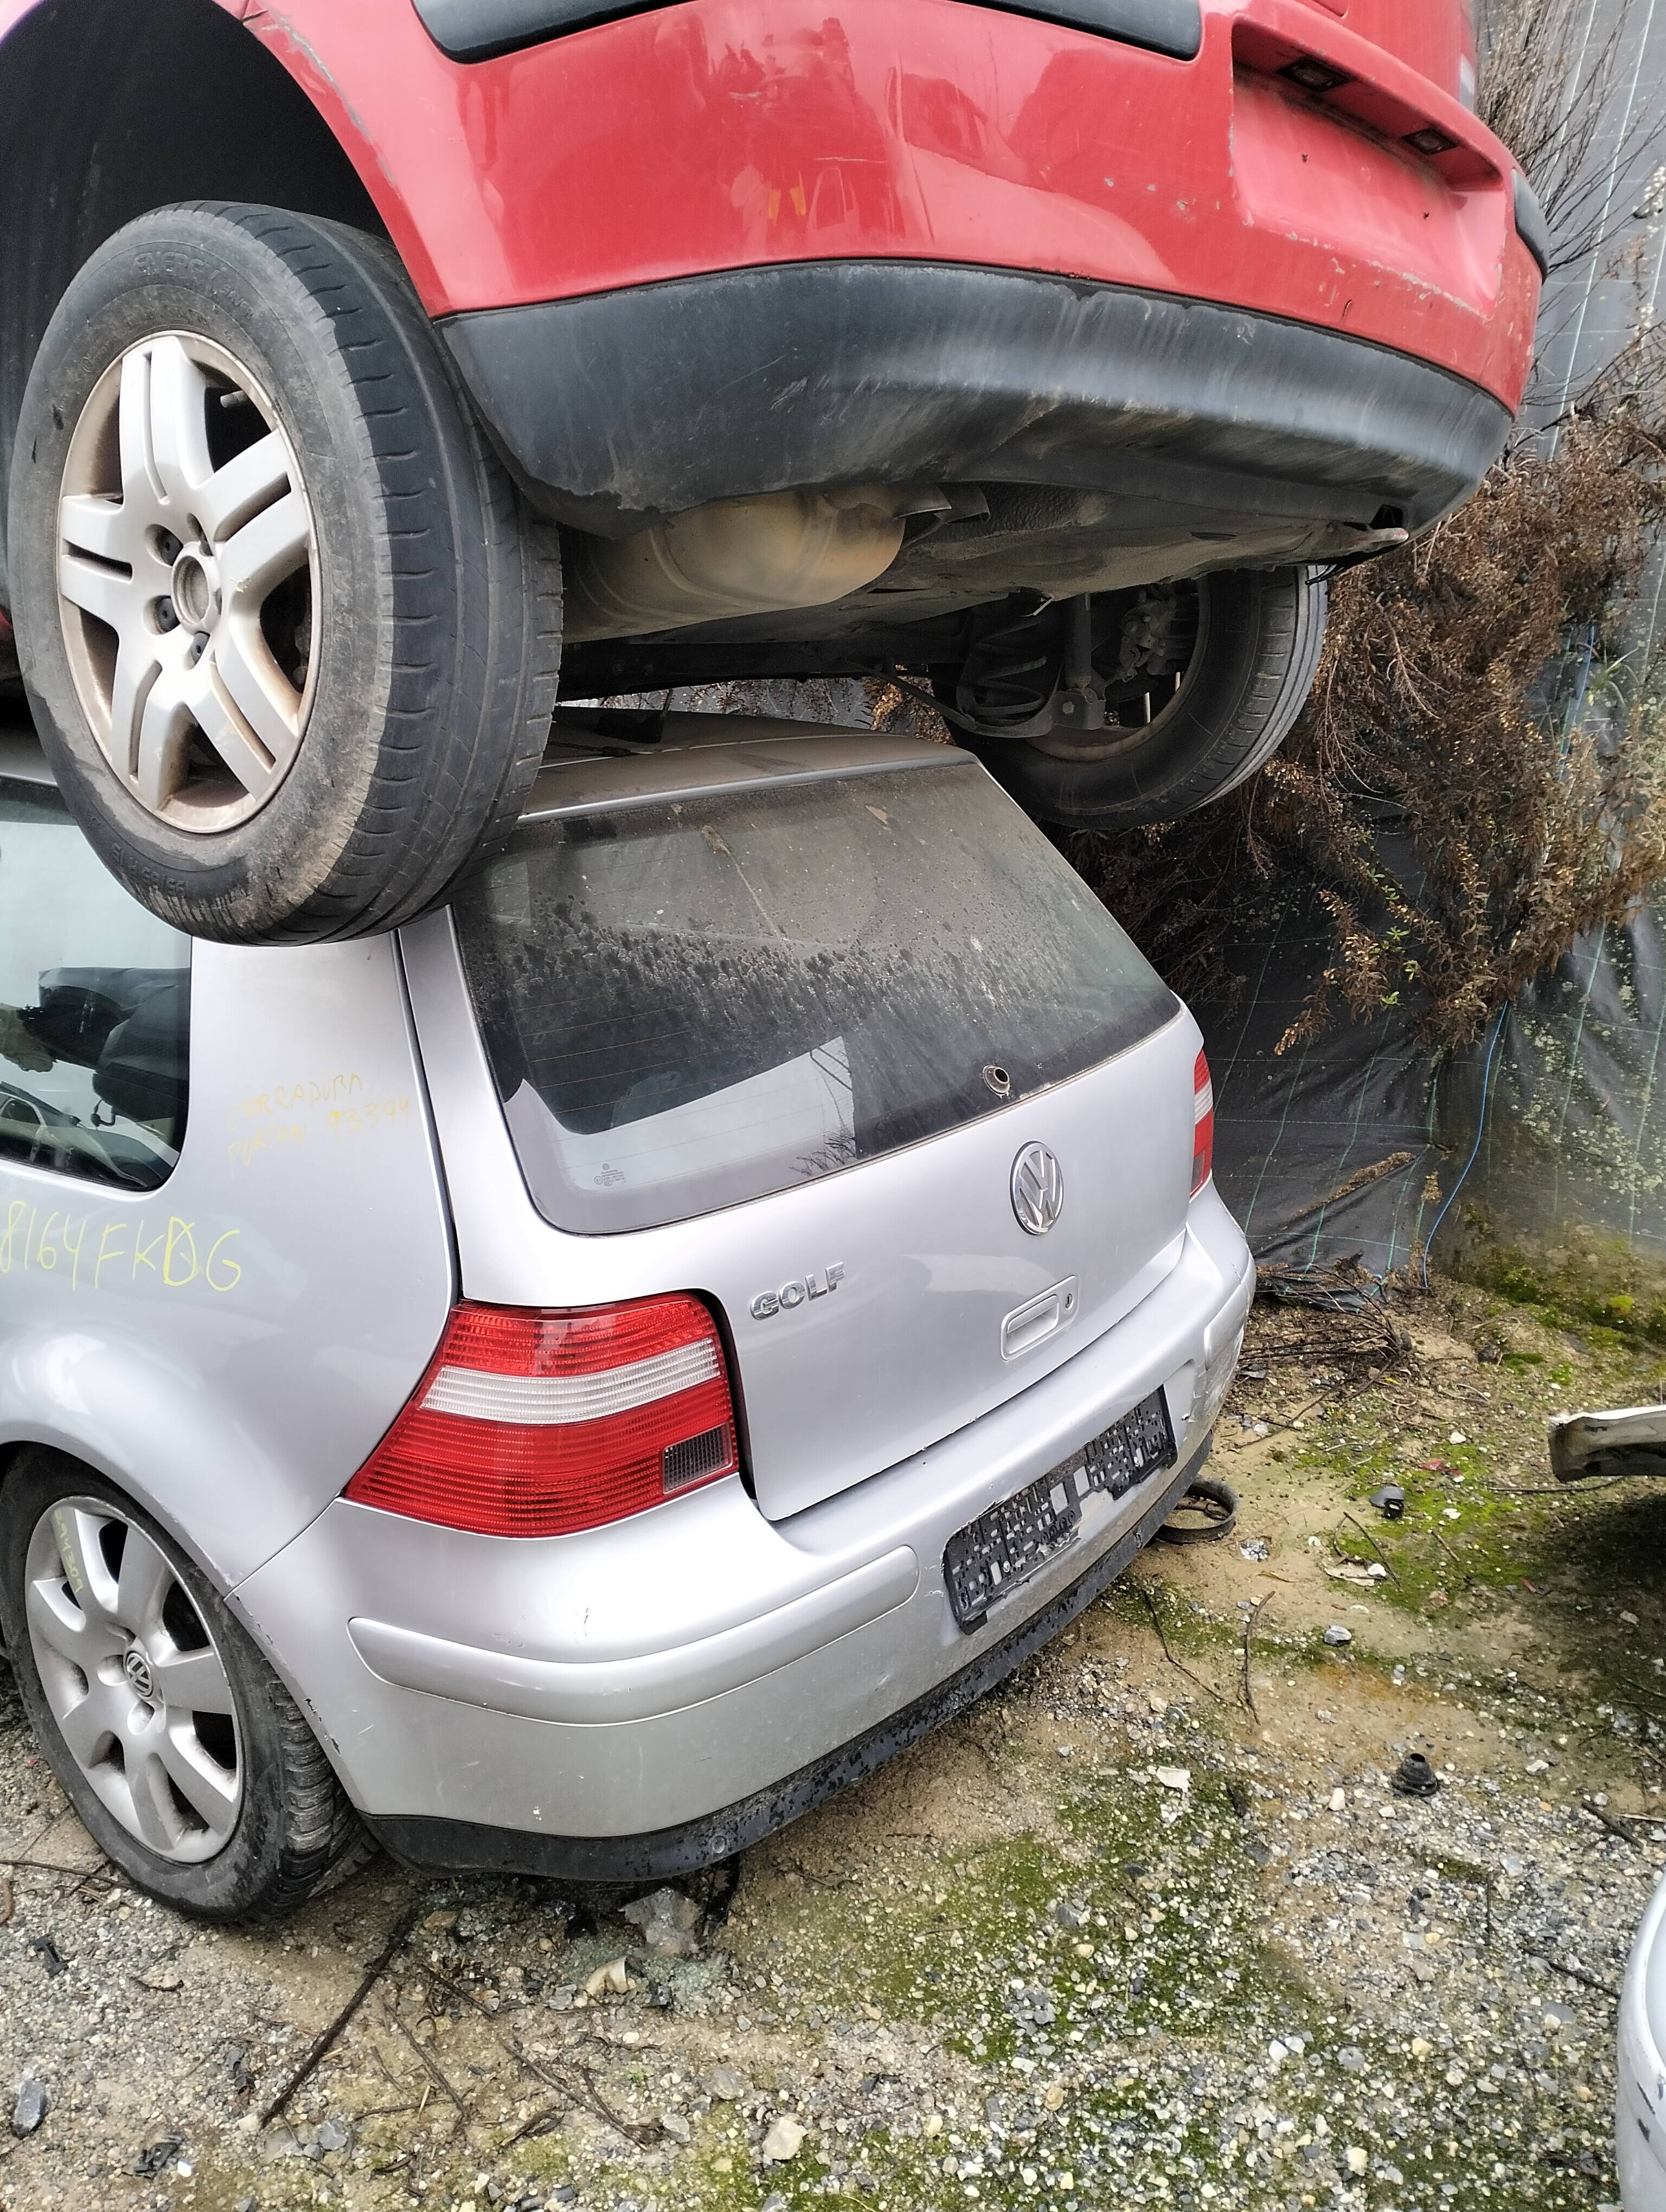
1437 37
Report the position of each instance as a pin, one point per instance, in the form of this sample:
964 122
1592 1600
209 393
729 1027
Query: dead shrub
1480 774
1555 85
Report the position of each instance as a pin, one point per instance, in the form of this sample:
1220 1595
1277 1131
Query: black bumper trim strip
1530 225
617 408
461 1846
479 30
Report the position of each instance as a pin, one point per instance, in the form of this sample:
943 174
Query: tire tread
467 647
298 1832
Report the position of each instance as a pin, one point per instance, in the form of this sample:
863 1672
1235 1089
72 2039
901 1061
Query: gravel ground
1150 1927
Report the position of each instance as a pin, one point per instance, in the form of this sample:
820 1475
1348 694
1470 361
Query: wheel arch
16 1447
89 1444
80 155
84 1452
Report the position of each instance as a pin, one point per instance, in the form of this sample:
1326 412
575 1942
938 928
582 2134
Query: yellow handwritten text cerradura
129 1249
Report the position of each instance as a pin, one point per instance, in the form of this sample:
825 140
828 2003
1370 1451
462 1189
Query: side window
94 1005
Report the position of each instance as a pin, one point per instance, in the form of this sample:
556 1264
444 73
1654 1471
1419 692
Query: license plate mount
1006 1547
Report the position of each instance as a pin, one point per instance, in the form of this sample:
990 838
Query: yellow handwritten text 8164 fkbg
116 1250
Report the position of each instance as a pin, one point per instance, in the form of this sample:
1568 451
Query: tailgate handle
1031 1324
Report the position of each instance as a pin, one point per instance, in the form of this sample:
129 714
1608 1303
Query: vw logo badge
137 1667
1038 1189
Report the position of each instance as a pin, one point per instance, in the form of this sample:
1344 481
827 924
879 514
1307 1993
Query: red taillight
538 1423
1203 1125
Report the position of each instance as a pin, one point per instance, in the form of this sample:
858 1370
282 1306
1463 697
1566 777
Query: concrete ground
1147 1927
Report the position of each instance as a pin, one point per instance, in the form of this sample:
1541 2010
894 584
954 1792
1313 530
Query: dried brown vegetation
1481 774
1554 84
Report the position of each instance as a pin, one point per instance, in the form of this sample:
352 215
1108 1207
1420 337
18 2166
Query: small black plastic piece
475 30
1530 225
1314 75
1414 1776
1389 1501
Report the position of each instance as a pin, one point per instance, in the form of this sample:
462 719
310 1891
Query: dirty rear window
687 1005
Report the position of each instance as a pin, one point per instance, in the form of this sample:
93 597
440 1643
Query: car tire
290 637
268 1822
1259 636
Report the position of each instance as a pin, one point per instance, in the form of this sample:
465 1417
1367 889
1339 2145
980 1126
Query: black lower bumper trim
465 1845
1531 226
621 407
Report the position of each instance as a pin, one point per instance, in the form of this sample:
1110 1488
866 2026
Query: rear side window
94 1004
689 1005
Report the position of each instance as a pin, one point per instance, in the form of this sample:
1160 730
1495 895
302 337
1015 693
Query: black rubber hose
1218 1501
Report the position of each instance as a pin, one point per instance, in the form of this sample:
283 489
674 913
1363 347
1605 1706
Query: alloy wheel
134 1679
187 581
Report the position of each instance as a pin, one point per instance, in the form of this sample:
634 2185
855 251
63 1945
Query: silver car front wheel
134 1681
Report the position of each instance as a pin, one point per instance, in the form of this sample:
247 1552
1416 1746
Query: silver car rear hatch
817 1025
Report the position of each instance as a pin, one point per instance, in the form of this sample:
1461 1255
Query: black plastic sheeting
1295 1130
1366 1142
1572 1131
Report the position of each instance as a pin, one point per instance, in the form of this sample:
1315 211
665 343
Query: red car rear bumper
1206 435
721 134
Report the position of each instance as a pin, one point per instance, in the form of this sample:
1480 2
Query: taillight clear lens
1203 1125
533 1423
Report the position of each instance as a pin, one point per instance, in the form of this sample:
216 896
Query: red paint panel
721 134
1434 37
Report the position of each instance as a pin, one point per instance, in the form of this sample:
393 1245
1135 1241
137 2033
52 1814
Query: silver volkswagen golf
573 1384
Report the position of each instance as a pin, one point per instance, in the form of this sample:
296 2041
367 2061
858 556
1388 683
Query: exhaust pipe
738 556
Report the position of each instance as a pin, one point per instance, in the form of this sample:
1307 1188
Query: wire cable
1474 1150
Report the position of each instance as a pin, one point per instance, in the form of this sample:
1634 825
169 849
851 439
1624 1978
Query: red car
1050 352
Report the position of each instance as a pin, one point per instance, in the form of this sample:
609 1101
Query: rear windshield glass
690 1003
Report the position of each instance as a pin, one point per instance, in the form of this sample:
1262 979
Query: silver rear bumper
652 1694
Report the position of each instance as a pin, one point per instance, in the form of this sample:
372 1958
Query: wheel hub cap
134 1679
187 578
197 588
